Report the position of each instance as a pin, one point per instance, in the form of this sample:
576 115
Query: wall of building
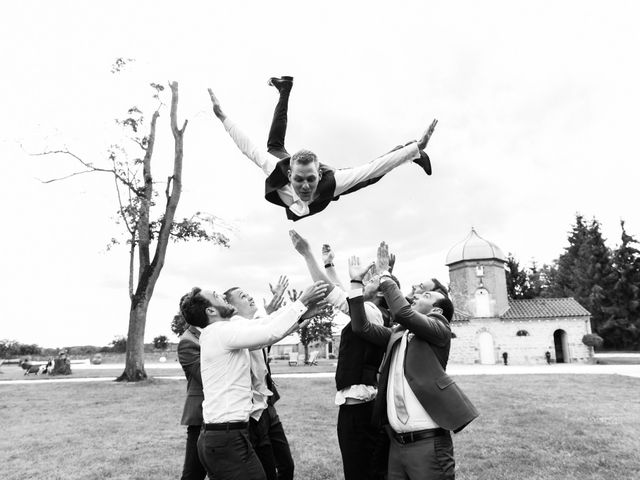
465 349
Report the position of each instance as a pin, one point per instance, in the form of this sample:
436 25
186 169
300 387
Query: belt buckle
404 438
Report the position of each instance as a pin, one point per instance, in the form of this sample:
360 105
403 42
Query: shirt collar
299 206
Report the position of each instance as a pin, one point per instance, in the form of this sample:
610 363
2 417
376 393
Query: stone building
488 323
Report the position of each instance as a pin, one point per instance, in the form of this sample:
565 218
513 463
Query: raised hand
358 271
327 254
278 294
313 294
383 259
392 262
217 109
281 286
422 143
300 244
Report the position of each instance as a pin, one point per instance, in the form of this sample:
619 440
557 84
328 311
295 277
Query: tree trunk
134 363
306 353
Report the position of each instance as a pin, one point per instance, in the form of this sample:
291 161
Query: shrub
592 340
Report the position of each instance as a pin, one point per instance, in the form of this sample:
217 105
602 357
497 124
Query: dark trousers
192 469
364 448
428 459
228 455
278 131
271 445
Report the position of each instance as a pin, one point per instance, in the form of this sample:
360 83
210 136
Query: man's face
242 302
224 309
422 287
304 180
423 302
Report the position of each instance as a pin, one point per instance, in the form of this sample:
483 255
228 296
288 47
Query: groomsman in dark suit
300 183
189 357
418 403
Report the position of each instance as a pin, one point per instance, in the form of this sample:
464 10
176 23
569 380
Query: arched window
522 333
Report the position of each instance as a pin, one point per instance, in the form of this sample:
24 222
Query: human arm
302 247
189 357
243 333
329 268
432 327
261 158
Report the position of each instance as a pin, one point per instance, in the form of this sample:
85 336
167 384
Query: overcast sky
538 119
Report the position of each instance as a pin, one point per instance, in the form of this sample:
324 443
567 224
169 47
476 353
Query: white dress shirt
419 419
259 390
225 360
355 393
345 177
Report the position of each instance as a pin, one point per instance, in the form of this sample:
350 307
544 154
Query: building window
453 335
479 271
522 333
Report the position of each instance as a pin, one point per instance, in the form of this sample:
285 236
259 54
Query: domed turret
474 247
477 277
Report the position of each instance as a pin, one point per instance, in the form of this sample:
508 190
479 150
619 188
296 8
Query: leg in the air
278 131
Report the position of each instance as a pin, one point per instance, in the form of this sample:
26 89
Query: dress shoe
281 82
424 162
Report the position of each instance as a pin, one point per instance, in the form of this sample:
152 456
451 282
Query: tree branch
88 165
174 197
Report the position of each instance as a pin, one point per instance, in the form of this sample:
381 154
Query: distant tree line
14 349
603 280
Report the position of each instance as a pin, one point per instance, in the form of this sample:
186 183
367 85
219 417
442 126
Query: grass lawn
531 427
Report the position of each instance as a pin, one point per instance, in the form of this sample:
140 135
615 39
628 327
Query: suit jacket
325 192
189 357
424 363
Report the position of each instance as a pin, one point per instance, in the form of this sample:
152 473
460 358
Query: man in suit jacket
189 357
299 182
417 401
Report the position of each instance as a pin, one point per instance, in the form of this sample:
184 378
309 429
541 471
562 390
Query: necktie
398 382
270 385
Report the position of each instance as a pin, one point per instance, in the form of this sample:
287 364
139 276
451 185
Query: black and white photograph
320 241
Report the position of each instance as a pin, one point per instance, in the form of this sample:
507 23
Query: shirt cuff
299 307
355 293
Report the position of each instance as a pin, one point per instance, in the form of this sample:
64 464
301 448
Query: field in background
531 427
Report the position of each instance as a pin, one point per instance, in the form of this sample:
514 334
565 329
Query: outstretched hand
383 258
357 271
422 143
327 254
217 109
278 294
392 262
300 244
314 294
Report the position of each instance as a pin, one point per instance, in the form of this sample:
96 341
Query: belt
225 426
410 437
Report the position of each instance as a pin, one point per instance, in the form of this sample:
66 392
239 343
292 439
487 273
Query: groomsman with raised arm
224 447
417 402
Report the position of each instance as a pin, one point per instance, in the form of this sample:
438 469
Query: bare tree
136 192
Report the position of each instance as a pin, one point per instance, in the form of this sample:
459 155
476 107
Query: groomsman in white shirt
223 446
265 428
